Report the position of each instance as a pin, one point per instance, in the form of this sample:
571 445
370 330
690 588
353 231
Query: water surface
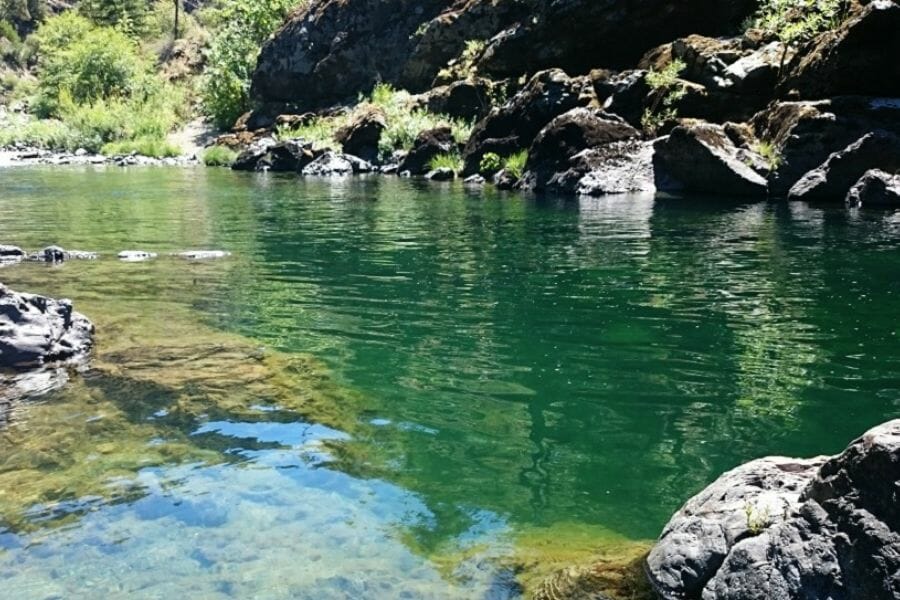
402 389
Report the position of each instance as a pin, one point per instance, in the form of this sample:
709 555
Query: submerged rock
442 174
36 331
702 158
11 253
787 529
56 254
135 255
203 254
875 188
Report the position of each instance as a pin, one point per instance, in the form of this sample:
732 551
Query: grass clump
515 163
219 156
449 160
146 146
770 153
666 90
319 132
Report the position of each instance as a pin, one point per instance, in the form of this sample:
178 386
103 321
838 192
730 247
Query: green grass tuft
450 160
219 156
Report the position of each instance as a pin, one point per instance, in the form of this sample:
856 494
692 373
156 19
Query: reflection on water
396 388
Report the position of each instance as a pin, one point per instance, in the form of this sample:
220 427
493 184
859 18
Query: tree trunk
175 31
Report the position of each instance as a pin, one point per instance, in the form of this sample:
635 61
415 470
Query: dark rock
360 137
359 165
624 94
330 164
833 179
11 253
505 180
266 154
250 157
577 34
701 158
56 254
514 126
474 180
567 135
617 168
37 331
875 188
427 145
806 133
859 57
790 529
469 99
442 174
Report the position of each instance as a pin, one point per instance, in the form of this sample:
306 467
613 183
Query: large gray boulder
788 529
833 179
37 331
701 158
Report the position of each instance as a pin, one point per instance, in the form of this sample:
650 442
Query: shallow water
401 389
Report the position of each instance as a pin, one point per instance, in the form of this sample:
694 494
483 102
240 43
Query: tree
127 15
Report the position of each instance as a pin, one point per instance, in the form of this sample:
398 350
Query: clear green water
481 376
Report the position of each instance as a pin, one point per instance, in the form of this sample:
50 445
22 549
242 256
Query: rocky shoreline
28 156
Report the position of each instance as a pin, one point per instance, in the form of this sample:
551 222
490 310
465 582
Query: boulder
624 94
700 158
804 134
267 154
833 179
37 331
566 136
11 253
617 168
576 35
505 180
442 174
513 126
56 254
859 57
469 99
427 145
330 164
361 135
875 188
789 529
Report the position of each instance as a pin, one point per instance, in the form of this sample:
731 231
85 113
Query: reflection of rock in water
20 386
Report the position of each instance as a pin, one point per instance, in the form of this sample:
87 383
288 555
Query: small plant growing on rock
666 90
449 160
515 163
770 153
794 22
757 520
463 67
490 163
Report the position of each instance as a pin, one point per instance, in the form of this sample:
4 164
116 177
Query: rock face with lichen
36 331
785 529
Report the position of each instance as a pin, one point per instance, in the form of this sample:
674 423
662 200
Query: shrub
463 67
145 146
794 22
9 32
666 90
319 132
515 163
233 52
490 163
450 160
43 133
770 153
219 156
128 16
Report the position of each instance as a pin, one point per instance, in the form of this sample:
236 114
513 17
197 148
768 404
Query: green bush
219 156
490 163
450 160
320 132
796 21
50 134
9 32
233 53
128 16
666 90
515 163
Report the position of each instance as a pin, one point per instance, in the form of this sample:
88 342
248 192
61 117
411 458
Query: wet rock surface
785 529
875 188
36 331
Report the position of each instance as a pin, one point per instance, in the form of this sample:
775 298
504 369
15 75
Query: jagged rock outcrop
514 125
833 179
804 134
550 155
329 164
786 529
578 35
701 158
859 57
36 331
267 154
468 99
427 145
875 188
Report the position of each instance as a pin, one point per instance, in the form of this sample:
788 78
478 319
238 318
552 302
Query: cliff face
333 49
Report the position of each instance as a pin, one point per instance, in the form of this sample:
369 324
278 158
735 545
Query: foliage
128 16
40 133
23 11
770 153
757 520
145 146
219 156
797 21
9 32
666 90
233 52
320 132
490 163
515 163
449 160
464 66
